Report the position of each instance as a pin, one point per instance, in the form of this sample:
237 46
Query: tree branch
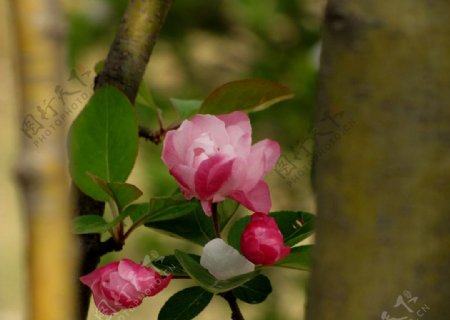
133 45
124 69
235 311
215 216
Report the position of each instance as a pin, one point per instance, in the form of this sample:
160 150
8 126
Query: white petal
223 261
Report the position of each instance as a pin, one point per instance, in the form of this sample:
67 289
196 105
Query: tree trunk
41 167
382 162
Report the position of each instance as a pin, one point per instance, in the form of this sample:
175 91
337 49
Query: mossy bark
383 185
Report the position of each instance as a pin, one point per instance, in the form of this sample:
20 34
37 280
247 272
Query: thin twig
235 311
215 216
152 136
156 137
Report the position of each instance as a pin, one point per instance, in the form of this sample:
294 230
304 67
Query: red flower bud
262 241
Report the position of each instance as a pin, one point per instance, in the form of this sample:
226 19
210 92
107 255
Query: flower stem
235 311
215 216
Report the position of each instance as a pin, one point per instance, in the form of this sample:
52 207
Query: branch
152 136
133 45
124 69
215 216
235 311
156 136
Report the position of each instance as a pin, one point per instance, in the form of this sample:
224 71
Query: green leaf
181 218
169 208
208 281
95 224
103 140
254 291
186 108
295 227
146 117
226 210
162 209
137 210
299 258
89 223
185 304
144 97
147 110
162 213
99 66
121 192
191 224
246 95
234 235
124 193
170 264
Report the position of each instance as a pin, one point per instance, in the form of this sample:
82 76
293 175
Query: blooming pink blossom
212 158
123 284
262 241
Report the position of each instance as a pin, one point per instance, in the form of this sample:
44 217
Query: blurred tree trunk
41 165
382 162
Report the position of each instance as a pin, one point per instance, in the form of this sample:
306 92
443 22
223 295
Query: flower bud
262 241
123 284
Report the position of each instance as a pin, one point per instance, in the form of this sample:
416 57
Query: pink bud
212 158
123 284
262 241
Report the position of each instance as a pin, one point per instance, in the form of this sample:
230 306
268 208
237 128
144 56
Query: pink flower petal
211 175
263 157
158 286
91 278
257 199
185 178
169 155
123 291
206 205
176 143
105 306
237 118
213 126
136 274
235 178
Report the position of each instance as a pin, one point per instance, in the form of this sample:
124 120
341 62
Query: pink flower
123 284
262 241
212 158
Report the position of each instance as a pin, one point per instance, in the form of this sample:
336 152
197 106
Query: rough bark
124 69
383 185
51 248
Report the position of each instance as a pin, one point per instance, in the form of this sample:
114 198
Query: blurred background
203 44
